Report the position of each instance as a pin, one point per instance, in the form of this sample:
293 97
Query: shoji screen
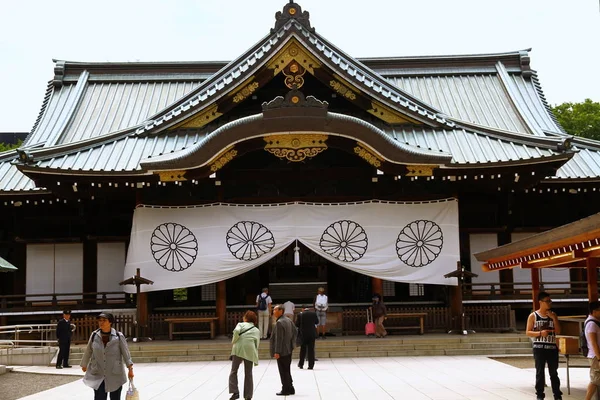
111 265
54 268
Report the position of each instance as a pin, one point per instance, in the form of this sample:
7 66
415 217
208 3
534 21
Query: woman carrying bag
246 337
104 360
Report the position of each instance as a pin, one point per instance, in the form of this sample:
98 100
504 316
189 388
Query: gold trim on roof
201 119
293 51
367 156
388 115
296 147
171 176
222 159
342 89
420 170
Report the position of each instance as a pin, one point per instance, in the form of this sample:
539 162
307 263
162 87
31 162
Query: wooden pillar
377 286
222 306
535 287
90 270
592 278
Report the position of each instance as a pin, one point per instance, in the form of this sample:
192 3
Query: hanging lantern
296 255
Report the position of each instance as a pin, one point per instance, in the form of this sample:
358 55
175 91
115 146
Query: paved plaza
406 378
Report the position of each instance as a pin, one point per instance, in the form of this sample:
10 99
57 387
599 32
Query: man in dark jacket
306 322
283 340
63 334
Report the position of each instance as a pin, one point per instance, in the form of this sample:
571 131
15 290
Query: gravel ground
14 385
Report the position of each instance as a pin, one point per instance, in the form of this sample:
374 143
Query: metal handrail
45 330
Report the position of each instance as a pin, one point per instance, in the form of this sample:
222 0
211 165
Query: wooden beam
568 258
377 286
535 287
221 306
592 278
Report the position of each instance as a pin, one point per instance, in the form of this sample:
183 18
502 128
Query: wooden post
222 306
535 287
377 286
592 278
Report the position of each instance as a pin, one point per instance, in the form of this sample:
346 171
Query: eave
567 245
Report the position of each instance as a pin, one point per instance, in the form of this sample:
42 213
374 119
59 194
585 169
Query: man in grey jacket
283 341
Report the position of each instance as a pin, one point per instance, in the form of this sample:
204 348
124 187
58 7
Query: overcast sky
564 36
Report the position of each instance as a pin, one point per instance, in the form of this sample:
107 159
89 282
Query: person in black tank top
542 328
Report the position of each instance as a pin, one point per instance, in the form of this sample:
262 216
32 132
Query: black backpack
583 345
262 302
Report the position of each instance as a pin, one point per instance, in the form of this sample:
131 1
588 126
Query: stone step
338 347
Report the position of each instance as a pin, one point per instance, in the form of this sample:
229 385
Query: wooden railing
86 325
522 290
44 301
479 318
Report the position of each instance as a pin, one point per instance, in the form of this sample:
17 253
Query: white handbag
132 392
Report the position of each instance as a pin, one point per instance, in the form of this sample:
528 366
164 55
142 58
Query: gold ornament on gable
420 170
172 176
245 92
293 51
367 156
294 73
296 147
203 118
342 89
223 159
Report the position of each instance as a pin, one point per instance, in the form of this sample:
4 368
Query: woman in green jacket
246 338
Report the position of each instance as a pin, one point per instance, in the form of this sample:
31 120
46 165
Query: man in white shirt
321 306
288 309
263 307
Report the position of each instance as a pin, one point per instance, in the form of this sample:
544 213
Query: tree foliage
581 119
8 146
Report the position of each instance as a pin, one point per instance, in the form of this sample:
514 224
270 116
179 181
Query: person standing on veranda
379 312
321 305
288 310
264 310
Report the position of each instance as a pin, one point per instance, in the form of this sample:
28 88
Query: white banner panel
68 271
111 262
39 271
189 246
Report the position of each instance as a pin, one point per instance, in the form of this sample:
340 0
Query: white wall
481 242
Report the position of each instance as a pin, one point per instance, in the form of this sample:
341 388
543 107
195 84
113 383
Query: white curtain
188 246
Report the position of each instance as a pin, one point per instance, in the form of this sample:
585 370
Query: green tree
581 119
8 146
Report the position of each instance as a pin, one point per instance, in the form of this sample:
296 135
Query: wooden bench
191 320
419 316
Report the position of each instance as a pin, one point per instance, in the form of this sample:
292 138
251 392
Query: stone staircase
335 347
